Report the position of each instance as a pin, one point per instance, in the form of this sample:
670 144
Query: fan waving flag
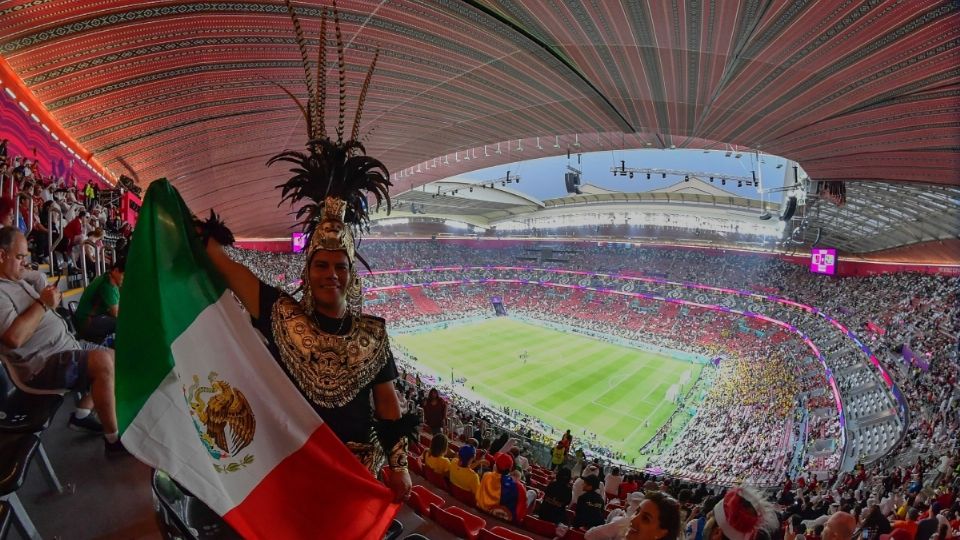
200 397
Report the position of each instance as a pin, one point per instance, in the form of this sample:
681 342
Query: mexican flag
200 397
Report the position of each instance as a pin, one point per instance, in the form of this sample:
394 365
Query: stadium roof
864 91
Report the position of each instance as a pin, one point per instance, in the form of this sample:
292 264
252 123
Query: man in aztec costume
338 358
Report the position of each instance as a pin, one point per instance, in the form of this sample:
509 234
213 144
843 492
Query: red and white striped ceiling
853 90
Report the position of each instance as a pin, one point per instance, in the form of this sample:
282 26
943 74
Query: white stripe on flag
221 341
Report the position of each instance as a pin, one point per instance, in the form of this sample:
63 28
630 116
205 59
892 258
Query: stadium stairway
424 304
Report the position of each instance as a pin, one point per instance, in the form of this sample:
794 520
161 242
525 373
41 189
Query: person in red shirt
908 525
566 441
946 498
628 486
75 227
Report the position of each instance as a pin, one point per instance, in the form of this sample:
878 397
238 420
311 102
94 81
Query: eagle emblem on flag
223 419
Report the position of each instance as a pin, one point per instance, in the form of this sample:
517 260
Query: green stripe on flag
169 280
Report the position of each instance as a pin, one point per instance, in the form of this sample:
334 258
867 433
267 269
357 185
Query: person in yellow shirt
462 474
436 458
557 456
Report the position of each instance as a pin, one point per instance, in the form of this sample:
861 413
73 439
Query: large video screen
299 241
823 261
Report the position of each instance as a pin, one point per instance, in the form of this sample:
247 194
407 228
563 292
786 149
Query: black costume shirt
352 421
556 498
589 510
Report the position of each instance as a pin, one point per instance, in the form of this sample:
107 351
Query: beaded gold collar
329 369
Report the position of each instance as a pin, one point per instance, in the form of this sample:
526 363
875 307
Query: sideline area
568 380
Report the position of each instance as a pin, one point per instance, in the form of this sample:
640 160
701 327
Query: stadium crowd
86 216
915 483
914 309
877 290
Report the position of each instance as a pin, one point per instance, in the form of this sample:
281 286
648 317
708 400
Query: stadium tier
483 270
833 356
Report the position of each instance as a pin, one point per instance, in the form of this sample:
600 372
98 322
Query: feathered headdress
333 177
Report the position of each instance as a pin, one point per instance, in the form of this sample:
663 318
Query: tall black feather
331 168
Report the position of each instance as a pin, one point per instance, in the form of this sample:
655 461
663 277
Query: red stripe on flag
319 491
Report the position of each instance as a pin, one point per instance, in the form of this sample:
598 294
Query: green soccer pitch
569 380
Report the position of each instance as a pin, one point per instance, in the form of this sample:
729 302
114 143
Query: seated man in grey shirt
41 351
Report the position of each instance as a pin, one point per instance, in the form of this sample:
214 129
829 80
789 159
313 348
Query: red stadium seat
458 521
473 522
416 502
574 534
501 533
539 526
463 495
421 498
415 465
487 534
535 506
436 478
507 533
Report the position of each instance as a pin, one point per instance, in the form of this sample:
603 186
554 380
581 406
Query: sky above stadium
543 178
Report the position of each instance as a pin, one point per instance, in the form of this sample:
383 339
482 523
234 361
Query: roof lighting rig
487 184
631 172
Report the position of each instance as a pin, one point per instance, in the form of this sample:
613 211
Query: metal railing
51 244
98 260
18 215
108 256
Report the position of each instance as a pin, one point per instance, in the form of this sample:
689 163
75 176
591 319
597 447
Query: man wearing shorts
41 352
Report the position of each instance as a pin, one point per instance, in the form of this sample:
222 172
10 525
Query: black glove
214 227
395 436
